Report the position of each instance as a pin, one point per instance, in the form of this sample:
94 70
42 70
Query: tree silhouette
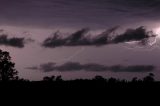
99 78
135 79
59 78
52 78
7 70
149 78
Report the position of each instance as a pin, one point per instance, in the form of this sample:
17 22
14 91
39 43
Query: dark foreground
79 84
98 82
56 87
80 90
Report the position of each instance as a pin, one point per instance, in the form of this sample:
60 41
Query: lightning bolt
151 46
76 53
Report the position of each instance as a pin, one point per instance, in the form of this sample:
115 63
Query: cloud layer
75 66
75 13
81 38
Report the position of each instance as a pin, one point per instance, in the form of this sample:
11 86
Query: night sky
82 38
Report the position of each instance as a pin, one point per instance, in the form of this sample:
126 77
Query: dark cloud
75 66
48 67
76 39
138 68
32 68
80 38
14 41
138 34
105 37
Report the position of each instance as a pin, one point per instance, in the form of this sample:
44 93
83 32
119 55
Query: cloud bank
81 38
75 66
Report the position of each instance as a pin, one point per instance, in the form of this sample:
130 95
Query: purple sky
39 19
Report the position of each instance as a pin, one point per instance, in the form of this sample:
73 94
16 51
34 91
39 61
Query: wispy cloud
77 13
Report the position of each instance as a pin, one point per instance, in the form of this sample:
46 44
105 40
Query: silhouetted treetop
149 78
7 70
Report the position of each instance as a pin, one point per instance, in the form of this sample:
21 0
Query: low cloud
75 66
130 35
14 41
82 38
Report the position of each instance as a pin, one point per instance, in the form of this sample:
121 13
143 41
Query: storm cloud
14 41
80 38
130 35
92 67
